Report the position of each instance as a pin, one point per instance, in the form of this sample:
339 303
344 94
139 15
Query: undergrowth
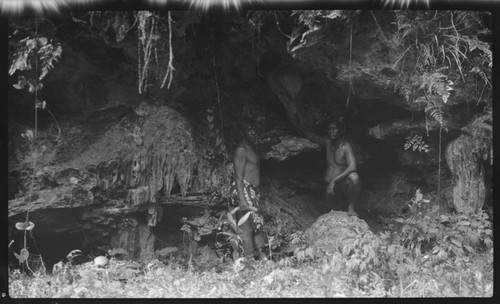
430 255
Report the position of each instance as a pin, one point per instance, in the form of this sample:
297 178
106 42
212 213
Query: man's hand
329 188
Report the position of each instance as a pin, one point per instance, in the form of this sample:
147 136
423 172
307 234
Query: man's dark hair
339 122
245 124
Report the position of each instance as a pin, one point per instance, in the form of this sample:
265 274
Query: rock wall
467 157
133 163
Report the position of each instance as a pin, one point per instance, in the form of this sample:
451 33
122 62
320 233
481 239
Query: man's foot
351 212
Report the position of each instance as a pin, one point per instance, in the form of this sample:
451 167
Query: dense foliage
441 50
430 254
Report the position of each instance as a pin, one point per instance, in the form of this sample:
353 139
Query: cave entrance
168 233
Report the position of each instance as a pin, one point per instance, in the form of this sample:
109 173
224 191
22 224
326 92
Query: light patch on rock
290 146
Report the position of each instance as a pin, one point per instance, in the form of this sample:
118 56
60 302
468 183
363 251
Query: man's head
249 132
335 129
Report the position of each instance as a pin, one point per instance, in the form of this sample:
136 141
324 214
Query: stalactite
184 172
167 156
169 175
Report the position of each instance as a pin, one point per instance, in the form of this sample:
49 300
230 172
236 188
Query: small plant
416 142
32 59
229 228
190 239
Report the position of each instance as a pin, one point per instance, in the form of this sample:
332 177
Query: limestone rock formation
135 162
468 156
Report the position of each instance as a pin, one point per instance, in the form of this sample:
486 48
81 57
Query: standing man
341 174
245 191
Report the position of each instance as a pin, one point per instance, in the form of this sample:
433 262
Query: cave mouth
304 173
168 231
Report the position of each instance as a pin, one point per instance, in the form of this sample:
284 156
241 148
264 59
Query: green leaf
234 210
418 195
20 63
244 218
31 44
42 41
231 220
362 266
444 218
32 85
456 242
346 250
469 248
25 225
23 256
21 83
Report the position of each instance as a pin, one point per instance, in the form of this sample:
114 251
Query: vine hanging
150 43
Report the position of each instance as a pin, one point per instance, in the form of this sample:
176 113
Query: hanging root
170 69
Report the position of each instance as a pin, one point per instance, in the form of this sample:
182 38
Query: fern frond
434 109
422 99
404 91
416 142
436 84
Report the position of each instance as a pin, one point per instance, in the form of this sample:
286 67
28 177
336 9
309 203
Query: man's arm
239 162
320 140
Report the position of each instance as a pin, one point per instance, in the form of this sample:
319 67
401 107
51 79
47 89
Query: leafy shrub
446 234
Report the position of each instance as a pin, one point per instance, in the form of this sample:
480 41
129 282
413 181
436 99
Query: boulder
335 229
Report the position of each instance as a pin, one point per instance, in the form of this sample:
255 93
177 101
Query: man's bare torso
336 159
252 171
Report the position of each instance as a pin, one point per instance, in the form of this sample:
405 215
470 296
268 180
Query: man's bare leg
260 240
247 236
353 188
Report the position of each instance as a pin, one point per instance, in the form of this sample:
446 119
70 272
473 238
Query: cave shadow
303 176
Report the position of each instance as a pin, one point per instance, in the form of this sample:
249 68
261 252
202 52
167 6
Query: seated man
340 174
246 193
